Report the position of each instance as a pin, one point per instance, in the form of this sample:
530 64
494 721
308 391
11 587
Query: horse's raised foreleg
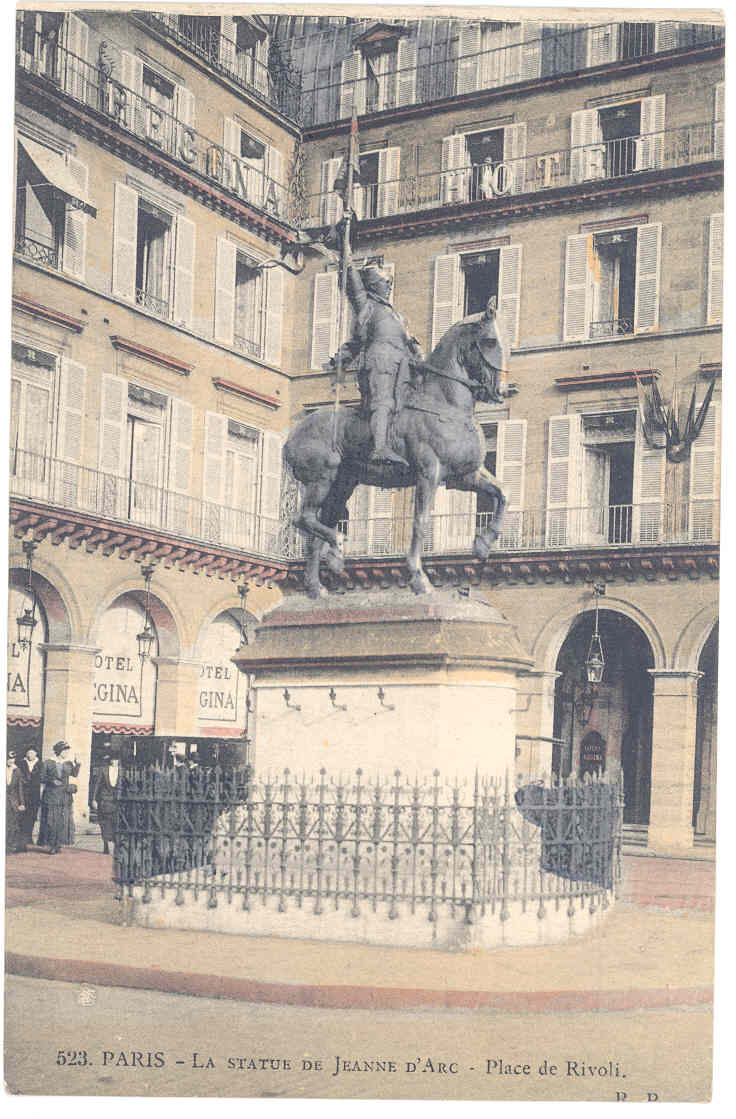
482 481
426 487
318 534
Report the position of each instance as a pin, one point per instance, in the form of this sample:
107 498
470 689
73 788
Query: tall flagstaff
352 163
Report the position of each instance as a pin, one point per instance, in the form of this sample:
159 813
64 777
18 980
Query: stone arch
227 604
57 599
693 637
164 613
551 637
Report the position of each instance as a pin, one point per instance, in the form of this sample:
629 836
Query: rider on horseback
386 349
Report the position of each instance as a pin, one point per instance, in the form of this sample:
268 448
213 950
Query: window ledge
165 360
249 394
23 302
675 332
616 378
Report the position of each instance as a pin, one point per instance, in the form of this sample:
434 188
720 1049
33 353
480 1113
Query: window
40 36
483 164
153 259
252 168
378 192
480 281
52 208
159 93
241 485
379 78
203 32
608 445
248 303
463 284
248 306
366 194
31 402
617 139
612 283
146 415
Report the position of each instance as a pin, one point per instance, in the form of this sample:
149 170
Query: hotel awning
56 171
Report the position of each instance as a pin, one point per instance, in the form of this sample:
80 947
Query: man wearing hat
14 807
56 797
381 338
31 767
103 799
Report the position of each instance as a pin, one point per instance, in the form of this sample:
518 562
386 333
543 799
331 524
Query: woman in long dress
56 803
103 797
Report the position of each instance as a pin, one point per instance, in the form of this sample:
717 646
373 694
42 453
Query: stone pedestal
447 667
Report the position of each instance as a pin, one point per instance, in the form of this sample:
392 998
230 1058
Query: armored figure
386 350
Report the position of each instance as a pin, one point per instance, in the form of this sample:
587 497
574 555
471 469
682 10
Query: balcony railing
56 482
533 174
38 251
226 57
564 52
93 87
247 345
611 328
152 303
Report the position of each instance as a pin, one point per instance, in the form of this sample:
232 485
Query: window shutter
453 520
493 59
511 472
665 37
352 83
577 284
704 479
231 136
648 252
715 269
603 44
446 299
586 161
406 60
274 314
75 225
531 51
215 436
324 318
131 77
514 153
718 116
227 43
113 447
562 516
70 435
125 242
184 105
509 287
649 471
510 66
650 145
75 65
455 169
260 75
270 490
388 184
330 201
225 262
468 62
275 186
184 270
180 453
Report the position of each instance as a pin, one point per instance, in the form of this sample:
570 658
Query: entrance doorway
608 729
704 786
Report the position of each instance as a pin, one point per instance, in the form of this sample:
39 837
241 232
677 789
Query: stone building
166 162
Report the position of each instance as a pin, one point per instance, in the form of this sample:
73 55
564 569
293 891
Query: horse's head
481 353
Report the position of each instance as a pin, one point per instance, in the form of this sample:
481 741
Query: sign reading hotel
124 692
25 666
222 692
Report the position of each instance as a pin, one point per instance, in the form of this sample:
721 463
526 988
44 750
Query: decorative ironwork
247 346
390 846
609 328
38 252
152 303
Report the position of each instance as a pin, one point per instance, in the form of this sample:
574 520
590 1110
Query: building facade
169 325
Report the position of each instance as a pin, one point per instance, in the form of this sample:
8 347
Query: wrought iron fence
612 159
391 846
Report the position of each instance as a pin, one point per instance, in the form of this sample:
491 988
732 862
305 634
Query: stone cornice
167 361
615 379
248 394
28 306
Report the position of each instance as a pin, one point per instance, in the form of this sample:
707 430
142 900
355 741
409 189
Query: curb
334 997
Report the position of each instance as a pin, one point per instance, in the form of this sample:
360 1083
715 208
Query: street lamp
243 595
27 620
147 636
595 661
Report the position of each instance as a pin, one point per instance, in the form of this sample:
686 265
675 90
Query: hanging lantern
27 620
147 636
243 595
595 662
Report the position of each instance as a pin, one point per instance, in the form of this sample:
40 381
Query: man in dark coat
56 796
103 799
31 769
14 808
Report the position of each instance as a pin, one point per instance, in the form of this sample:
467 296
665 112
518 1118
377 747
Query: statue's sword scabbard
345 254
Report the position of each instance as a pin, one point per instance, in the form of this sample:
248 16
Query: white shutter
715 269
270 490
531 50
406 60
453 520
260 74
493 59
509 289
184 270
704 479
75 65
231 136
650 144
352 79
75 225
359 510
274 314
511 473
225 263
468 62
180 452
578 253
587 155
184 105
388 181
330 201
69 442
718 117
227 43
514 153
446 299
275 186
324 318
215 436
113 447
510 67
562 514
649 471
125 242
455 169
648 252
603 44
131 77
665 37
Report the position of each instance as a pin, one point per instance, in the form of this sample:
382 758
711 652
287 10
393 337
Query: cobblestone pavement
609 1053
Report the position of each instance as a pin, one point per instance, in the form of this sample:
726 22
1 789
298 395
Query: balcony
247 346
564 52
226 57
38 252
612 161
132 114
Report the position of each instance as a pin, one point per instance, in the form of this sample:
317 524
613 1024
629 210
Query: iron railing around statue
391 846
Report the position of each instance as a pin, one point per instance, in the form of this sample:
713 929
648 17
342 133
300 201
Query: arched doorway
608 728
222 693
704 785
25 673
